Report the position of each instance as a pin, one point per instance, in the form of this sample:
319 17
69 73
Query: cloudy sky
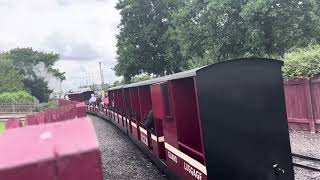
81 31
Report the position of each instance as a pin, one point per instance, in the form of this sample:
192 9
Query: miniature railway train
224 121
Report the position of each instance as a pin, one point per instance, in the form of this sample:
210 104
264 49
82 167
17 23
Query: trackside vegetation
302 63
19 97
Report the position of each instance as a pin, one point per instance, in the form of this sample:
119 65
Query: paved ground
122 160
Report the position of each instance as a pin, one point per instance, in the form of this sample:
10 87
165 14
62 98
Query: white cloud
81 31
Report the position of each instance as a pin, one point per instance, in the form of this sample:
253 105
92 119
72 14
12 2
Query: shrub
20 97
52 104
302 63
1 127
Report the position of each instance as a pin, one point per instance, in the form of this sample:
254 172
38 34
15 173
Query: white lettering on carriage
195 173
172 157
144 139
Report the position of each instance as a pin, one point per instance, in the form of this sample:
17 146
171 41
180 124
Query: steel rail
314 161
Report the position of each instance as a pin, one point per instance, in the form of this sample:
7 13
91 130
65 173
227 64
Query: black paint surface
244 121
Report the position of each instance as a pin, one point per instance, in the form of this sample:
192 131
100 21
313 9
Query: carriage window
166 101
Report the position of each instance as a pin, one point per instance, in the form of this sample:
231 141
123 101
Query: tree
167 36
223 29
117 83
10 79
26 61
143 38
142 77
38 88
302 63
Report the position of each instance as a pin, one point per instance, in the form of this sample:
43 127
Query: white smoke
53 82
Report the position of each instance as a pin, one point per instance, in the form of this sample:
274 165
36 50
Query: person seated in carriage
149 124
92 100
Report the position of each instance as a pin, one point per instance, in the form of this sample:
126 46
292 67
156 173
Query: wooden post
310 106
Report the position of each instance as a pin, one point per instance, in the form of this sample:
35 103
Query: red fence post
310 107
31 120
13 123
48 116
40 117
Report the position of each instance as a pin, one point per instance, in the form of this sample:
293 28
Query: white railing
19 108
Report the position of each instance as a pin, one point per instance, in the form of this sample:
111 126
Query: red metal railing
67 110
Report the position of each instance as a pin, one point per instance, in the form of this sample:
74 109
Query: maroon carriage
223 121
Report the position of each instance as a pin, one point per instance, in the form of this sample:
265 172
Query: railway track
306 162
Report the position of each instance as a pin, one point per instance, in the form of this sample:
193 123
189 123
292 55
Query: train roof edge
78 92
185 74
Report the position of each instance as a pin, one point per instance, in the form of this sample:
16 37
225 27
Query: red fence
67 110
64 150
303 104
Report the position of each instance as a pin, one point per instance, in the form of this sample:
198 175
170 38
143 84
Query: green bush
52 104
1 127
21 97
302 63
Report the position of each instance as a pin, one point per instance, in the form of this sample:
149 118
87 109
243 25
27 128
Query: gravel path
122 160
304 174
305 143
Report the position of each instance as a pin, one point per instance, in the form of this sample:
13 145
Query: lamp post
101 74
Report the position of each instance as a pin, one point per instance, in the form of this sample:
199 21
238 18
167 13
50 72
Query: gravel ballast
308 144
121 159
305 143
305 174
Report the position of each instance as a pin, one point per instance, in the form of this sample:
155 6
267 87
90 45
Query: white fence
20 108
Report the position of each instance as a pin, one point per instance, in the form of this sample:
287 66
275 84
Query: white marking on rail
186 158
158 139
134 124
153 137
161 139
143 130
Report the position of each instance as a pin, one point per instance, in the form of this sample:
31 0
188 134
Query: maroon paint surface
145 102
303 104
13 123
31 120
186 116
40 117
60 151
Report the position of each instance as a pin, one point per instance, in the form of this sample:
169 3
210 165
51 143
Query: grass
1 127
